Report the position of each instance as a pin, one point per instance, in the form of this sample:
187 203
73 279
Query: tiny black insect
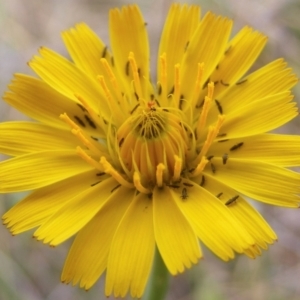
232 200
116 187
213 168
121 142
202 181
127 68
237 146
104 52
224 83
219 106
225 158
184 194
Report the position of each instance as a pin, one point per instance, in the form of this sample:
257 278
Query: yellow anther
105 89
138 184
221 119
213 131
198 84
163 79
203 116
66 119
88 142
159 174
89 159
118 115
108 168
136 76
177 168
200 167
177 85
113 81
210 90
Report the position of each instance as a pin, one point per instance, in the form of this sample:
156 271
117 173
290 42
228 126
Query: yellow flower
128 165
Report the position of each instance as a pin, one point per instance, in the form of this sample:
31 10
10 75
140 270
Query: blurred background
30 270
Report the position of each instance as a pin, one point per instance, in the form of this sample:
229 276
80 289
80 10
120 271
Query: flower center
151 142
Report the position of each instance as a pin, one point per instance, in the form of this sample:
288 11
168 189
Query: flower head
128 165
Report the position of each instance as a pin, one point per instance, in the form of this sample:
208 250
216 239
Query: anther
163 79
159 174
135 72
177 168
203 116
113 81
200 167
177 85
198 83
111 102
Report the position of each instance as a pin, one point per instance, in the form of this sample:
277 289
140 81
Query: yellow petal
128 33
259 180
35 170
175 238
33 210
18 138
207 46
245 214
271 79
213 222
180 25
132 250
277 149
86 49
87 258
268 80
76 213
242 51
67 79
260 116
39 101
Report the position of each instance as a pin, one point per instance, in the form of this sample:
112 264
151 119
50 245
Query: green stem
159 280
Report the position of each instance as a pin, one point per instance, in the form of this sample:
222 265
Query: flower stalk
158 283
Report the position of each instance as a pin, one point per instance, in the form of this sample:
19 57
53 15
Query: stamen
200 167
205 109
177 168
66 119
213 131
198 83
87 142
177 85
136 77
159 174
163 78
210 91
203 116
114 82
117 113
108 169
89 159
138 184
